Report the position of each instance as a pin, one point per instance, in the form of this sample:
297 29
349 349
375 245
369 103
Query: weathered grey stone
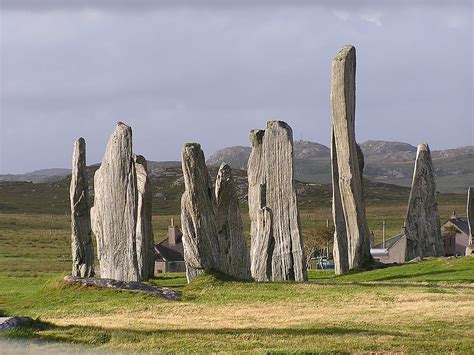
130 286
470 220
348 202
81 240
422 225
234 257
13 323
114 215
340 251
145 239
198 219
277 247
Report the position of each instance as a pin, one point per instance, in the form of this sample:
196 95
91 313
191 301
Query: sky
209 71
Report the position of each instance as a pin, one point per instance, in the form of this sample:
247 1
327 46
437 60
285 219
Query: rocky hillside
236 157
388 162
388 151
168 186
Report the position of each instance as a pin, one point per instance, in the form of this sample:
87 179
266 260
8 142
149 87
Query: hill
389 162
38 176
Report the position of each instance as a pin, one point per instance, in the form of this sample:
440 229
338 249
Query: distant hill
38 176
168 186
236 157
387 162
392 151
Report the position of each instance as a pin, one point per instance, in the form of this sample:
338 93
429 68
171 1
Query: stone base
130 286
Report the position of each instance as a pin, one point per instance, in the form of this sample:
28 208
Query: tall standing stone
277 247
198 219
348 203
340 250
114 215
81 240
234 257
145 239
422 225
470 219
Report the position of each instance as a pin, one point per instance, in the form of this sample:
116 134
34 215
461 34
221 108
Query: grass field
426 307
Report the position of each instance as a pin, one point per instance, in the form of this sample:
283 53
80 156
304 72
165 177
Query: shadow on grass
92 335
420 274
413 284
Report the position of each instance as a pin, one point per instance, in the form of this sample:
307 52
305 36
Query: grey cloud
208 72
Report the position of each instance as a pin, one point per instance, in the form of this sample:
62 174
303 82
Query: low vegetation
419 307
424 307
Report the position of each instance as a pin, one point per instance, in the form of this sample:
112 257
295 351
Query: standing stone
422 225
81 241
340 251
145 239
470 220
348 202
234 257
114 215
277 247
198 219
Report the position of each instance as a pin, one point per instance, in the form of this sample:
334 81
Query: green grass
425 307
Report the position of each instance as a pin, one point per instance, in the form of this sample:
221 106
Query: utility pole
383 234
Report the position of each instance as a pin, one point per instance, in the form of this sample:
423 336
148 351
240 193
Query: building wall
449 245
456 244
162 267
462 240
396 254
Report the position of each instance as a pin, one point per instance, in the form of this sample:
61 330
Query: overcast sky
206 72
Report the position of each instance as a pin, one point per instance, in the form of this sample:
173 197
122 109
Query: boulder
422 224
81 240
277 246
15 323
234 257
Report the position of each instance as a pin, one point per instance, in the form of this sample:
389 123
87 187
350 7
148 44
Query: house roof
166 252
389 242
461 223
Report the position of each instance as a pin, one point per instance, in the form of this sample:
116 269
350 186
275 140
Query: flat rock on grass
11 323
131 286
